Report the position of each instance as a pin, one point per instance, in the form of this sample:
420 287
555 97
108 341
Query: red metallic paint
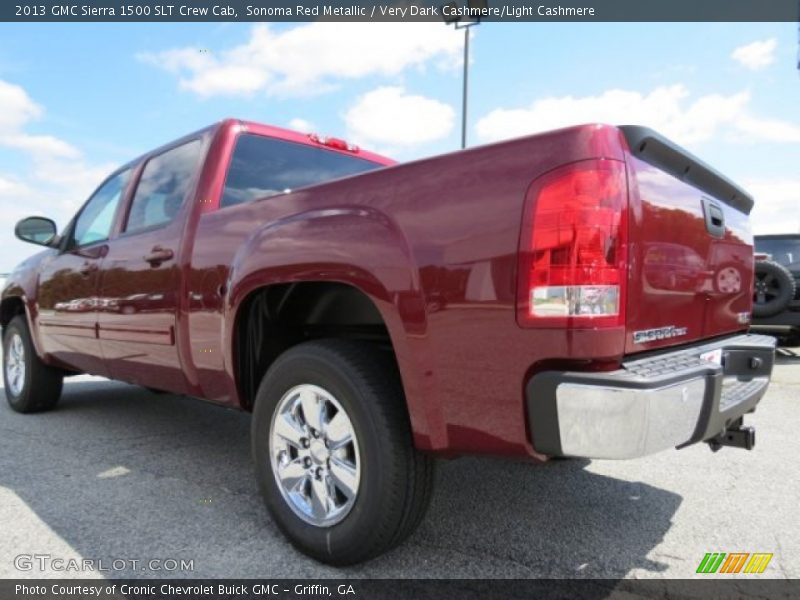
67 315
433 243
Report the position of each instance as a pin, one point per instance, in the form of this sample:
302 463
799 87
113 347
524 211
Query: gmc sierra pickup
584 292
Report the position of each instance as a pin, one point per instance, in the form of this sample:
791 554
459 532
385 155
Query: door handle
158 255
87 268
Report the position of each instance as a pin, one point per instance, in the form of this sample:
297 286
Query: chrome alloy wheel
15 364
314 455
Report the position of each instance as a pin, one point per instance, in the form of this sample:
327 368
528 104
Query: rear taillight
573 247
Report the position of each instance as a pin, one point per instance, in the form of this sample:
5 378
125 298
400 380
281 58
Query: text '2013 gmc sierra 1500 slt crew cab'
584 292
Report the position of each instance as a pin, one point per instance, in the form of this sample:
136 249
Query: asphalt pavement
117 473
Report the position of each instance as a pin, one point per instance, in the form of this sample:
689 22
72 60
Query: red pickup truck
584 292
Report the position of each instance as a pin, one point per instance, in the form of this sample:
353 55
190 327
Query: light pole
451 16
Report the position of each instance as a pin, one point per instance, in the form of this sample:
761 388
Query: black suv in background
776 294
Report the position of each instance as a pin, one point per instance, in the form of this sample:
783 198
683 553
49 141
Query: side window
263 166
97 217
163 186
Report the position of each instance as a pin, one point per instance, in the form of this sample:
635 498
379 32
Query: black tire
396 480
774 288
41 387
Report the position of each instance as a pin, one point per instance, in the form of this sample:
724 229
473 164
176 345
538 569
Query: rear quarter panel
434 243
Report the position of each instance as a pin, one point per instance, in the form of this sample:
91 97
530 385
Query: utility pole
464 91
451 16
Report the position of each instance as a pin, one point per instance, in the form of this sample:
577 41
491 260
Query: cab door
140 279
68 282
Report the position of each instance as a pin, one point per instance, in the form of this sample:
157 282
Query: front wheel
30 385
333 452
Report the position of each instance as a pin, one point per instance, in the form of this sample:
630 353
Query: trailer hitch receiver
736 436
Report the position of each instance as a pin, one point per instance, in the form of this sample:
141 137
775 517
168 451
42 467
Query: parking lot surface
118 472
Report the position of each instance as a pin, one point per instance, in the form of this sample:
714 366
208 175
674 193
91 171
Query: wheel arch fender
353 245
18 298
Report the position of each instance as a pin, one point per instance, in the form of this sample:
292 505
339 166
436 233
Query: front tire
333 452
30 385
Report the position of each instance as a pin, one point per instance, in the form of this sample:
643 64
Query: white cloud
757 55
776 205
11 188
388 116
40 145
17 109
309 59
669 110
76 177
55 163
773 130
301 125
57 179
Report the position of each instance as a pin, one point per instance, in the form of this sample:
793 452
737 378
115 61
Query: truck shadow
787 356
550 521
119 472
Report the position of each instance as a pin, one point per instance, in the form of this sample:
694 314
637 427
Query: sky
77 100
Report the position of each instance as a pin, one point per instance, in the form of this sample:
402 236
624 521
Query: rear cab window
263 166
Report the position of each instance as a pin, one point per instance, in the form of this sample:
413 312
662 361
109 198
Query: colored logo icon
734 562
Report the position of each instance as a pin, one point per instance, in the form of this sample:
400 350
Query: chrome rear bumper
665 400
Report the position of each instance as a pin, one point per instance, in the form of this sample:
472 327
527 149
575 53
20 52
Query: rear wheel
333 452
773 289
30 385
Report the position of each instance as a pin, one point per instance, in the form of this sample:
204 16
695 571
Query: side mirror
37 230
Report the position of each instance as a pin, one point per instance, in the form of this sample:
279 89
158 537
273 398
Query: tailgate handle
715 217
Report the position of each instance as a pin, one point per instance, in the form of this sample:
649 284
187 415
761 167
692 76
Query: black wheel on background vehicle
774 288
333 451
30 385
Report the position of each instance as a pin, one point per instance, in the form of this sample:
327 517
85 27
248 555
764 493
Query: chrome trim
15 364
654 401
659 333
619 423
314 455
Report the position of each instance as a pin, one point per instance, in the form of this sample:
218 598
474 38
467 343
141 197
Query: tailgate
691 249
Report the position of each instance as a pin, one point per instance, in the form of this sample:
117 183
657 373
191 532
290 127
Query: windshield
784 251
